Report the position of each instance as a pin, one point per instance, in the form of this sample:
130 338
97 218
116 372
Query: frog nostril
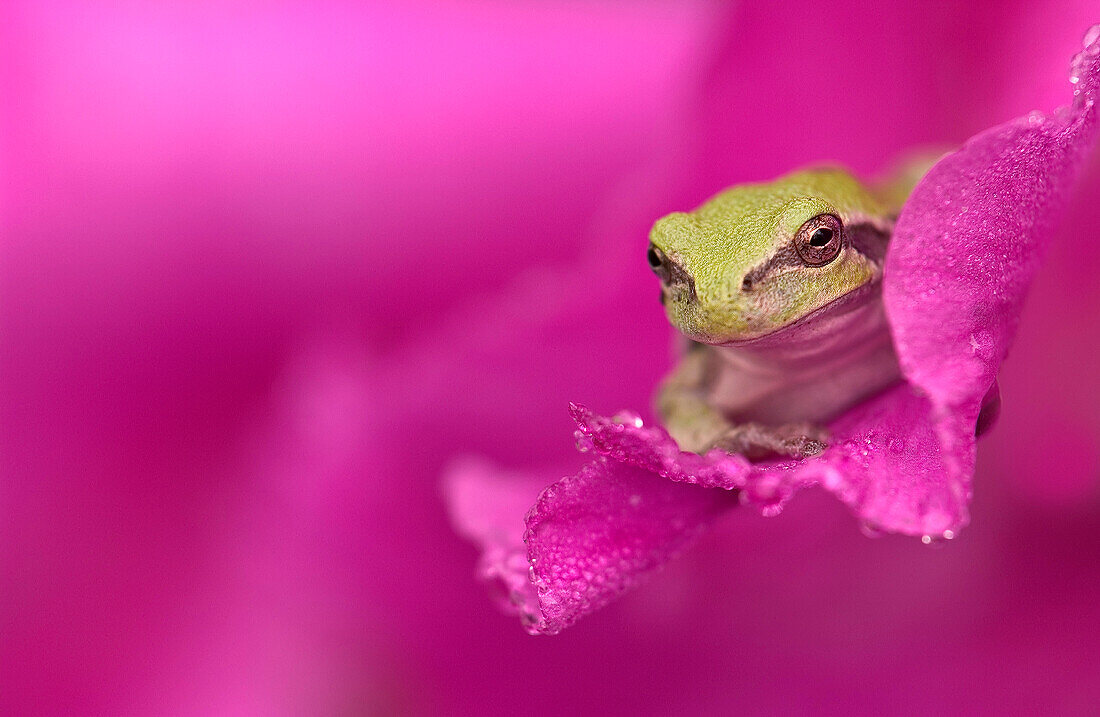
658 263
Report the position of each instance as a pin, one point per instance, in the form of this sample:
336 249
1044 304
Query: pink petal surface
967 246
592 536
589 536
596 534
487 506
884 462
970 239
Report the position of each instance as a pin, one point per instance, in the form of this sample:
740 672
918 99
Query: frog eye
818 241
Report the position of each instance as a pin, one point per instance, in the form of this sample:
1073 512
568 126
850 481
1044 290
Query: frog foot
757 441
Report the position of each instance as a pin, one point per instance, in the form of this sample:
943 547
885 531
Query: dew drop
937 541
1091 41
628 418
1082 61
870 530
771 511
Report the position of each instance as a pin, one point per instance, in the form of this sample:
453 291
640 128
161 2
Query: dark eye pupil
821 237
653 257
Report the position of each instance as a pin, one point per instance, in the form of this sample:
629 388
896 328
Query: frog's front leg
697 426
756 441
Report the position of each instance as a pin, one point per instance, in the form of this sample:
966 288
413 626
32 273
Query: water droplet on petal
1091 41
771 511
1082 61
937 541
870 530
627 418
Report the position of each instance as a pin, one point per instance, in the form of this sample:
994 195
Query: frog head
758 258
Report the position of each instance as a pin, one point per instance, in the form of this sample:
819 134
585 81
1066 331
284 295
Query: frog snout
671 273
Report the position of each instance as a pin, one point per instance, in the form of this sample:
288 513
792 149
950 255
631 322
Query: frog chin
846 315
694 324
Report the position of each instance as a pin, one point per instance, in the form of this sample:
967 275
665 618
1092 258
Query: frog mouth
812 324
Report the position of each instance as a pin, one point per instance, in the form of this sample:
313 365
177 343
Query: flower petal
884 462
967 245
596 534
970 239
486 505
626 439
887 464
589 536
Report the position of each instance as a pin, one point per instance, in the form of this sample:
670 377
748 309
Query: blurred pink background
268 268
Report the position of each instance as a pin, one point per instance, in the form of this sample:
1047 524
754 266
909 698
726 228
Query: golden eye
818 241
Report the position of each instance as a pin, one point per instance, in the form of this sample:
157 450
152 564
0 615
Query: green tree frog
778 288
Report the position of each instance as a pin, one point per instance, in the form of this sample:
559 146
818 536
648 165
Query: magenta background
267 268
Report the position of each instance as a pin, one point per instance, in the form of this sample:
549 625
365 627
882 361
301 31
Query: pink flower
267 267
967 245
